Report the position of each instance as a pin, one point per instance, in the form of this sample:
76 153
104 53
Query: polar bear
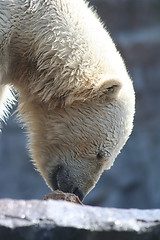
74 93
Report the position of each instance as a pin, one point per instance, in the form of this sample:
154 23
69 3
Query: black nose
78 193
62 180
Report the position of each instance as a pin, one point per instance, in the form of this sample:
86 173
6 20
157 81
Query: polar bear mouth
60 179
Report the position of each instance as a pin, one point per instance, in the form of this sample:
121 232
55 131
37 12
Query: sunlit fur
75 95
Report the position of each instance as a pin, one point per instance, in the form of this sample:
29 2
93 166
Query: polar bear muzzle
61 180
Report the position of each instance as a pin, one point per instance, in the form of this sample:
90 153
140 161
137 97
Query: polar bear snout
61 180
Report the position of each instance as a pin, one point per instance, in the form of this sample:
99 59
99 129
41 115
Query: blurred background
134 180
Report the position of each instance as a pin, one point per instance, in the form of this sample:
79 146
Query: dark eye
101 154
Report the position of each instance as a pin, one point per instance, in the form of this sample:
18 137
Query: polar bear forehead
90 129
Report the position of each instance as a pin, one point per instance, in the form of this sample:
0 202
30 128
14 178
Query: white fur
6 100
75 94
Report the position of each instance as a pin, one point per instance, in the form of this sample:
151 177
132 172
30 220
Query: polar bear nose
64 182
78 193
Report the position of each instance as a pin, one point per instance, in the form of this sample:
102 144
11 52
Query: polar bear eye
102 154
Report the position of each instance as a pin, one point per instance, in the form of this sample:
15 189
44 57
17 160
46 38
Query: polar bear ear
110 88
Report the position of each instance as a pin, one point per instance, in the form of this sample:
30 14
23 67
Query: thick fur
75 95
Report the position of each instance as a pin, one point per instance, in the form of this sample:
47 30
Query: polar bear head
72 146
